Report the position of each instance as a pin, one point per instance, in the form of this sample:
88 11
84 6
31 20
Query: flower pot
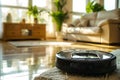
59 36
35 21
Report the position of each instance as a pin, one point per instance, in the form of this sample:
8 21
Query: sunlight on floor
38 43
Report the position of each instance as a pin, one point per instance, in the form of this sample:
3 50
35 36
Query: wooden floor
23 63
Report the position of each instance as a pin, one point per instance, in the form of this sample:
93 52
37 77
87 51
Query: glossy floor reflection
24 63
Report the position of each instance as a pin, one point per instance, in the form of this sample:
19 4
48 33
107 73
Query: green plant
94 7
59 15
35 12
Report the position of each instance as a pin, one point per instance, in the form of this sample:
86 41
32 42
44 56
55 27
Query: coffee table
86 62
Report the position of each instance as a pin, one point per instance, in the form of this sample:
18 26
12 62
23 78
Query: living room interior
31 36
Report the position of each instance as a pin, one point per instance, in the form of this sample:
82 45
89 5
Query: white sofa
98 27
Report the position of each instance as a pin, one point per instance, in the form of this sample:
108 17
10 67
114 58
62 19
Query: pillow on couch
83 23
79 23
71 25
76 22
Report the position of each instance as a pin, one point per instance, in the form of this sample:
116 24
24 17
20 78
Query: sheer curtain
1 28
0 37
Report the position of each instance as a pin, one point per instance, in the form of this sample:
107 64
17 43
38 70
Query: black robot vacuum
87 62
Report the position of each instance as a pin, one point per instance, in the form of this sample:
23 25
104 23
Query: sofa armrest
110 31
108 21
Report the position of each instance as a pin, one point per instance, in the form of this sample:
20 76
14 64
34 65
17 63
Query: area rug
38 43
56 74
83 45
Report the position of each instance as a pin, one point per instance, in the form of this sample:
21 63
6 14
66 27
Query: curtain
1 28
0 37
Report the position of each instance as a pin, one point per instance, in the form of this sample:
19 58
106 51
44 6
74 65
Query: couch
98 27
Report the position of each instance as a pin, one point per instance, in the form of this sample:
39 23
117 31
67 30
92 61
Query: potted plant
60 14
94 7
35 13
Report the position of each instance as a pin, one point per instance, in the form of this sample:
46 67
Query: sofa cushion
79 23
91 17
71 25
76 22
112 14
84 30
83 23
108 21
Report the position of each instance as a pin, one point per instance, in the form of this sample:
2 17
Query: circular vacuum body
88 62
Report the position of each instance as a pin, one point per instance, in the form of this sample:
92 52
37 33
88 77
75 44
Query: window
18 9
15 2
16 14
40 3
79 7
118 1
109 5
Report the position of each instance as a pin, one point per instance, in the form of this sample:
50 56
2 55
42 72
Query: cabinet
13 31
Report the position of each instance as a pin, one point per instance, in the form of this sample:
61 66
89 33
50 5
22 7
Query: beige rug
56 74
38 43
71 44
